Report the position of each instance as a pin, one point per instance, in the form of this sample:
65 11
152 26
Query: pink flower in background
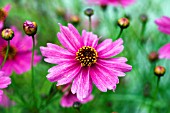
4 82
19 57
3 14
123 3
6 102
163 24
68 99
164 51
83 61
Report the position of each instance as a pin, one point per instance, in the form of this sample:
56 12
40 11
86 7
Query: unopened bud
77 105
30 28
159 71
89 12
123 23
153 56
143 18
74 19
7 34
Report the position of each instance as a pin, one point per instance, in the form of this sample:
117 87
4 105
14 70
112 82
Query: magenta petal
56 54
89 39
82 83
7 8
108 49
109 80
1 93
4 80
68 39
116 63
164 51
59 72
67 78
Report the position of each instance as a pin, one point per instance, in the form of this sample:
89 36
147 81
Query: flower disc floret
87 56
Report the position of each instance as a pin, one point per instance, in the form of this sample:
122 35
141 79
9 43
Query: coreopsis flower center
2 15
87 56
11 54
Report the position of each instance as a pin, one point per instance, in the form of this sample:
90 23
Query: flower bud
153 56
30 28
7 34
89 12
159 71
77 105
74 19
143 18
123 23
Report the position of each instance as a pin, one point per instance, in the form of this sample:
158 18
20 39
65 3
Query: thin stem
121 31
78 109
90 27
6 55
32 68
155 94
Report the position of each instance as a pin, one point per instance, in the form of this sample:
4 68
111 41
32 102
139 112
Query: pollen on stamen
87 56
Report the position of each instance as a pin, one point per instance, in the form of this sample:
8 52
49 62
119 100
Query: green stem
121 31
90 27
6 55
155 94
142 31
32 69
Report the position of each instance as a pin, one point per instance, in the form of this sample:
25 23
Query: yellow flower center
87 56
3 15
11 54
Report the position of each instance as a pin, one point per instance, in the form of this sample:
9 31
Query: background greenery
135 93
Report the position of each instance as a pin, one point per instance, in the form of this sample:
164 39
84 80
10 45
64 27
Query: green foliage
135 92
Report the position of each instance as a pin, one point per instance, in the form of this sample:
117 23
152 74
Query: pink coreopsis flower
6 102
163 24
83 61
3 14
4 82
164 51
19 56
123 3
68 99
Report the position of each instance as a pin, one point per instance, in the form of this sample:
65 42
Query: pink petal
56 54
1 93
4 81
109 81
108 48
81 84
164 51
68 39
115 64
89 39
1 25
7 8
59 72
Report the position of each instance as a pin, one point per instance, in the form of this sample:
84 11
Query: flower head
19 56
123 3
163 24
159 71
83 61
7 34
30 28
3 14
4 82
